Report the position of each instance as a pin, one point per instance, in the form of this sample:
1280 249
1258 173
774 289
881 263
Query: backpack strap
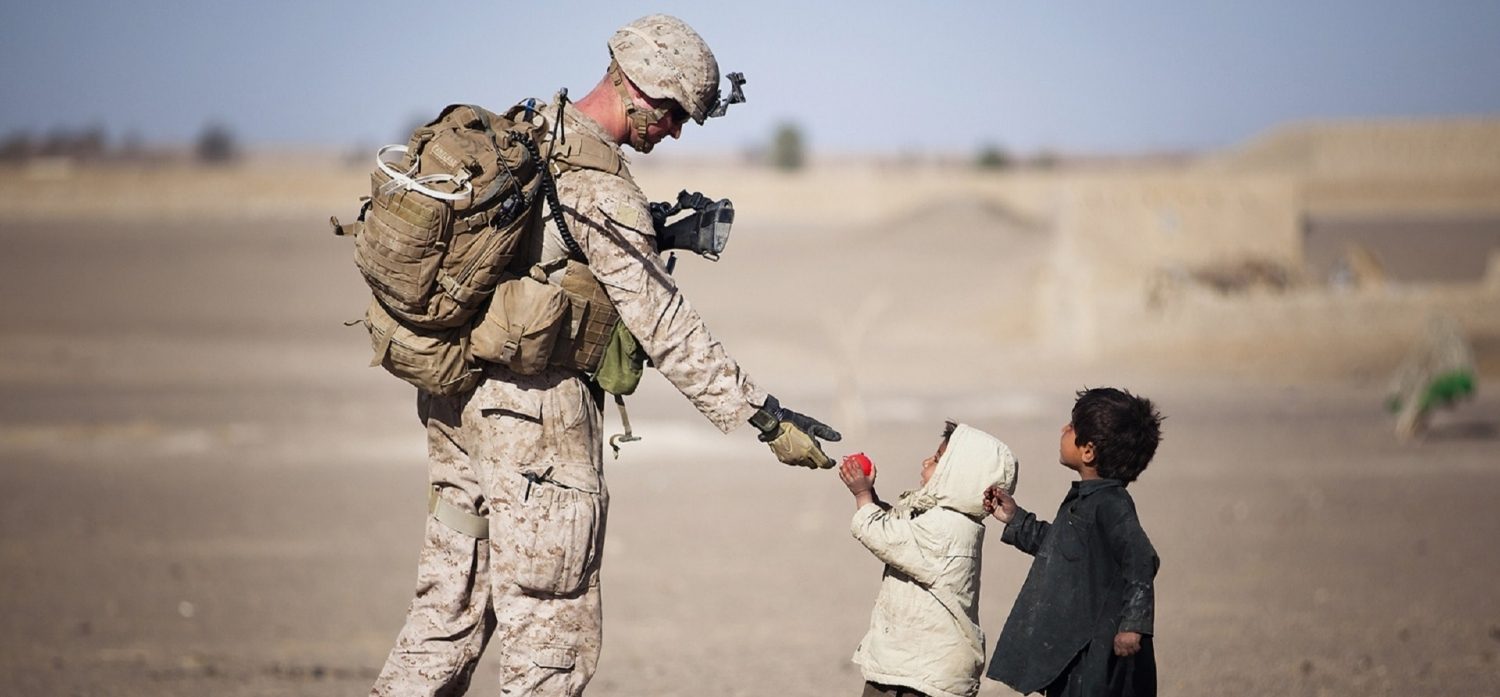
457 519
567 153
588 153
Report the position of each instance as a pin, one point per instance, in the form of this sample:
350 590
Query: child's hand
999 504
853 474
1127 643
852 471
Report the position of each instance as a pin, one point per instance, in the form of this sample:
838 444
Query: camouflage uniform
526 452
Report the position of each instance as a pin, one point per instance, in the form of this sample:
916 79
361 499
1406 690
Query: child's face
1072 455
930 464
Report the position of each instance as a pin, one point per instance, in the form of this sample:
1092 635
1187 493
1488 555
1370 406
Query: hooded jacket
924 631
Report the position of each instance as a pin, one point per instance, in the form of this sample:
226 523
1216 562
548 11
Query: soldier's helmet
666 59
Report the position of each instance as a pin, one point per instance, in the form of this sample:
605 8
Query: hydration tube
405 180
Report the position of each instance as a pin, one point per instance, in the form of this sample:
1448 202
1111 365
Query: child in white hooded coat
924 636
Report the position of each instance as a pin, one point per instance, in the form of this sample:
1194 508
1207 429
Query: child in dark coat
1082 623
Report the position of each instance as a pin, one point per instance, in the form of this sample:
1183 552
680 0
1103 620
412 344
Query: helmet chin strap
640 119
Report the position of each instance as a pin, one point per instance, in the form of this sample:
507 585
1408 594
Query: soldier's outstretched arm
611 220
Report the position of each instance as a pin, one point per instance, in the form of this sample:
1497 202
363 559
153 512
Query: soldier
518 501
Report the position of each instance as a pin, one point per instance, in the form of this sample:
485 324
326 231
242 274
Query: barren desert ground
206 491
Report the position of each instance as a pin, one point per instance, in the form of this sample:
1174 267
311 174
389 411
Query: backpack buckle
508 351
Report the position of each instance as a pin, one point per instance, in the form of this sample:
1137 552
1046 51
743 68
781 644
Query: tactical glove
793 436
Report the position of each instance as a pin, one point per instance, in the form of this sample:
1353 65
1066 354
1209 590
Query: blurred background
1263 216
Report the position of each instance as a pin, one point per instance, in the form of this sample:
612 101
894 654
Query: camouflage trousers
524 452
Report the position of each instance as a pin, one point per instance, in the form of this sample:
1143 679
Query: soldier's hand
793 446
811 426
793 436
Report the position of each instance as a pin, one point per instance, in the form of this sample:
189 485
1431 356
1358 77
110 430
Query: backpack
444 219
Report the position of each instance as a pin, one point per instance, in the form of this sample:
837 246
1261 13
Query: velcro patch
626 215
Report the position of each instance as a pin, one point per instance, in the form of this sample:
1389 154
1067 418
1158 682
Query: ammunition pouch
591 320
597 342
532 324
521 326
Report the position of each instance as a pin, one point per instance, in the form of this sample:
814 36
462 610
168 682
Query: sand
205 491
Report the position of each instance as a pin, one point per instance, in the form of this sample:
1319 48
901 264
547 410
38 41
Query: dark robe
1091 579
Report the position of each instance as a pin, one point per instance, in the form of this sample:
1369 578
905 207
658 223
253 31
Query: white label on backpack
443 156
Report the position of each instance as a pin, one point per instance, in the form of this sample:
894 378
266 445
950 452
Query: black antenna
557 129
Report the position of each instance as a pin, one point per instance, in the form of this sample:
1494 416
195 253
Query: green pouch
1448 388
623 363
1441 391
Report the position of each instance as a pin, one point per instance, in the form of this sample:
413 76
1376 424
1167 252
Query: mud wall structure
1211 258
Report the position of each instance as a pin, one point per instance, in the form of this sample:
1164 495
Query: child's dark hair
949 427
1125 430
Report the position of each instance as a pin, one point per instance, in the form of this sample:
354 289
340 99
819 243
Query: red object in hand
864 463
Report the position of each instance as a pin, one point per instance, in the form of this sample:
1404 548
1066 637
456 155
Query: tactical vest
592 317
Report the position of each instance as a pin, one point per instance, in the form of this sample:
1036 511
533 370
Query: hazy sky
1077 75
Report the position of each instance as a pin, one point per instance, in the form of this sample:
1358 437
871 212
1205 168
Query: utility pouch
401 247
521 326
435 360
623 363
591 320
